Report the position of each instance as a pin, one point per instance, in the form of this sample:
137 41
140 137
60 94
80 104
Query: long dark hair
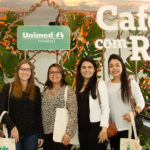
48 83
124 78
91 86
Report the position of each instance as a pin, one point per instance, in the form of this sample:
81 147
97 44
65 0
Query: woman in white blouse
92 118
120 106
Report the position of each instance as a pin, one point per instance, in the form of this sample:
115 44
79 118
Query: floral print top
57 100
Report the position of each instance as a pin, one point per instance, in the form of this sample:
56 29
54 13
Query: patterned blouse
56 100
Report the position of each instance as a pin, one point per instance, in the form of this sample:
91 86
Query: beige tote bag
6 143
128 143
61 120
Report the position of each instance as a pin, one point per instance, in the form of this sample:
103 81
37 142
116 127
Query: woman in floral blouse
53 97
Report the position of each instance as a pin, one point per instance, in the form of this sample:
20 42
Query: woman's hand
127 117
102 135
15 134
65 140
40 142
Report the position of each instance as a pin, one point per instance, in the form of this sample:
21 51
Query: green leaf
75 20
70 62
94 33
9 62
130 65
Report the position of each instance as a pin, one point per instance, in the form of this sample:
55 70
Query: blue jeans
27 142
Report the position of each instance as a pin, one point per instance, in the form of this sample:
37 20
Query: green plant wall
9 54
84 32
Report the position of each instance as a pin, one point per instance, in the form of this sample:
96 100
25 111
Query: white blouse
100 112
118 108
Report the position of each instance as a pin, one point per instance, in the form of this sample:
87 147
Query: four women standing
24 121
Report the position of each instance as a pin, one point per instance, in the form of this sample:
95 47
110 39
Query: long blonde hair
30 90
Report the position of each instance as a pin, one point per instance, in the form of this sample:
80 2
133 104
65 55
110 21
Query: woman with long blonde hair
24 121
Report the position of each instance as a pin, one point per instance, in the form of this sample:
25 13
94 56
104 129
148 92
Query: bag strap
65 95
10 89
131 99
132 124
98 94
2 114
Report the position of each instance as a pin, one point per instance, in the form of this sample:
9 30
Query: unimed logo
4 148
43 38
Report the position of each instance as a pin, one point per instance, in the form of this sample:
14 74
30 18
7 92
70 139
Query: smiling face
87 70
115 68
24 72
55 75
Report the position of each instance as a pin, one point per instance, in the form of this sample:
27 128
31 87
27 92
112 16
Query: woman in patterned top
53 98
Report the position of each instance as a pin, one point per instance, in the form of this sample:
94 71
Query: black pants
49 144
88 138
115 141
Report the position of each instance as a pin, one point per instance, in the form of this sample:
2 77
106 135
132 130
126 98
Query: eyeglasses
25 69
54 72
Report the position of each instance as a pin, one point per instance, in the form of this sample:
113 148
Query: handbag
7 144
112 129
61 120
138 122
138 118
128 143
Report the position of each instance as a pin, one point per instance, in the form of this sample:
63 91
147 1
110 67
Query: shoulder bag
128 143
112 129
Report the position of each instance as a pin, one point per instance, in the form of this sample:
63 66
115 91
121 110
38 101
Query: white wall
42 62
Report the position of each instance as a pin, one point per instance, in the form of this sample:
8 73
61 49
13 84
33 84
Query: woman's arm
139 100
137 94
39 117
72 110
104 110
104 103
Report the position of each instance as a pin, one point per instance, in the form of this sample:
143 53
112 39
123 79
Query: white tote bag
6 143
128 143
61 120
